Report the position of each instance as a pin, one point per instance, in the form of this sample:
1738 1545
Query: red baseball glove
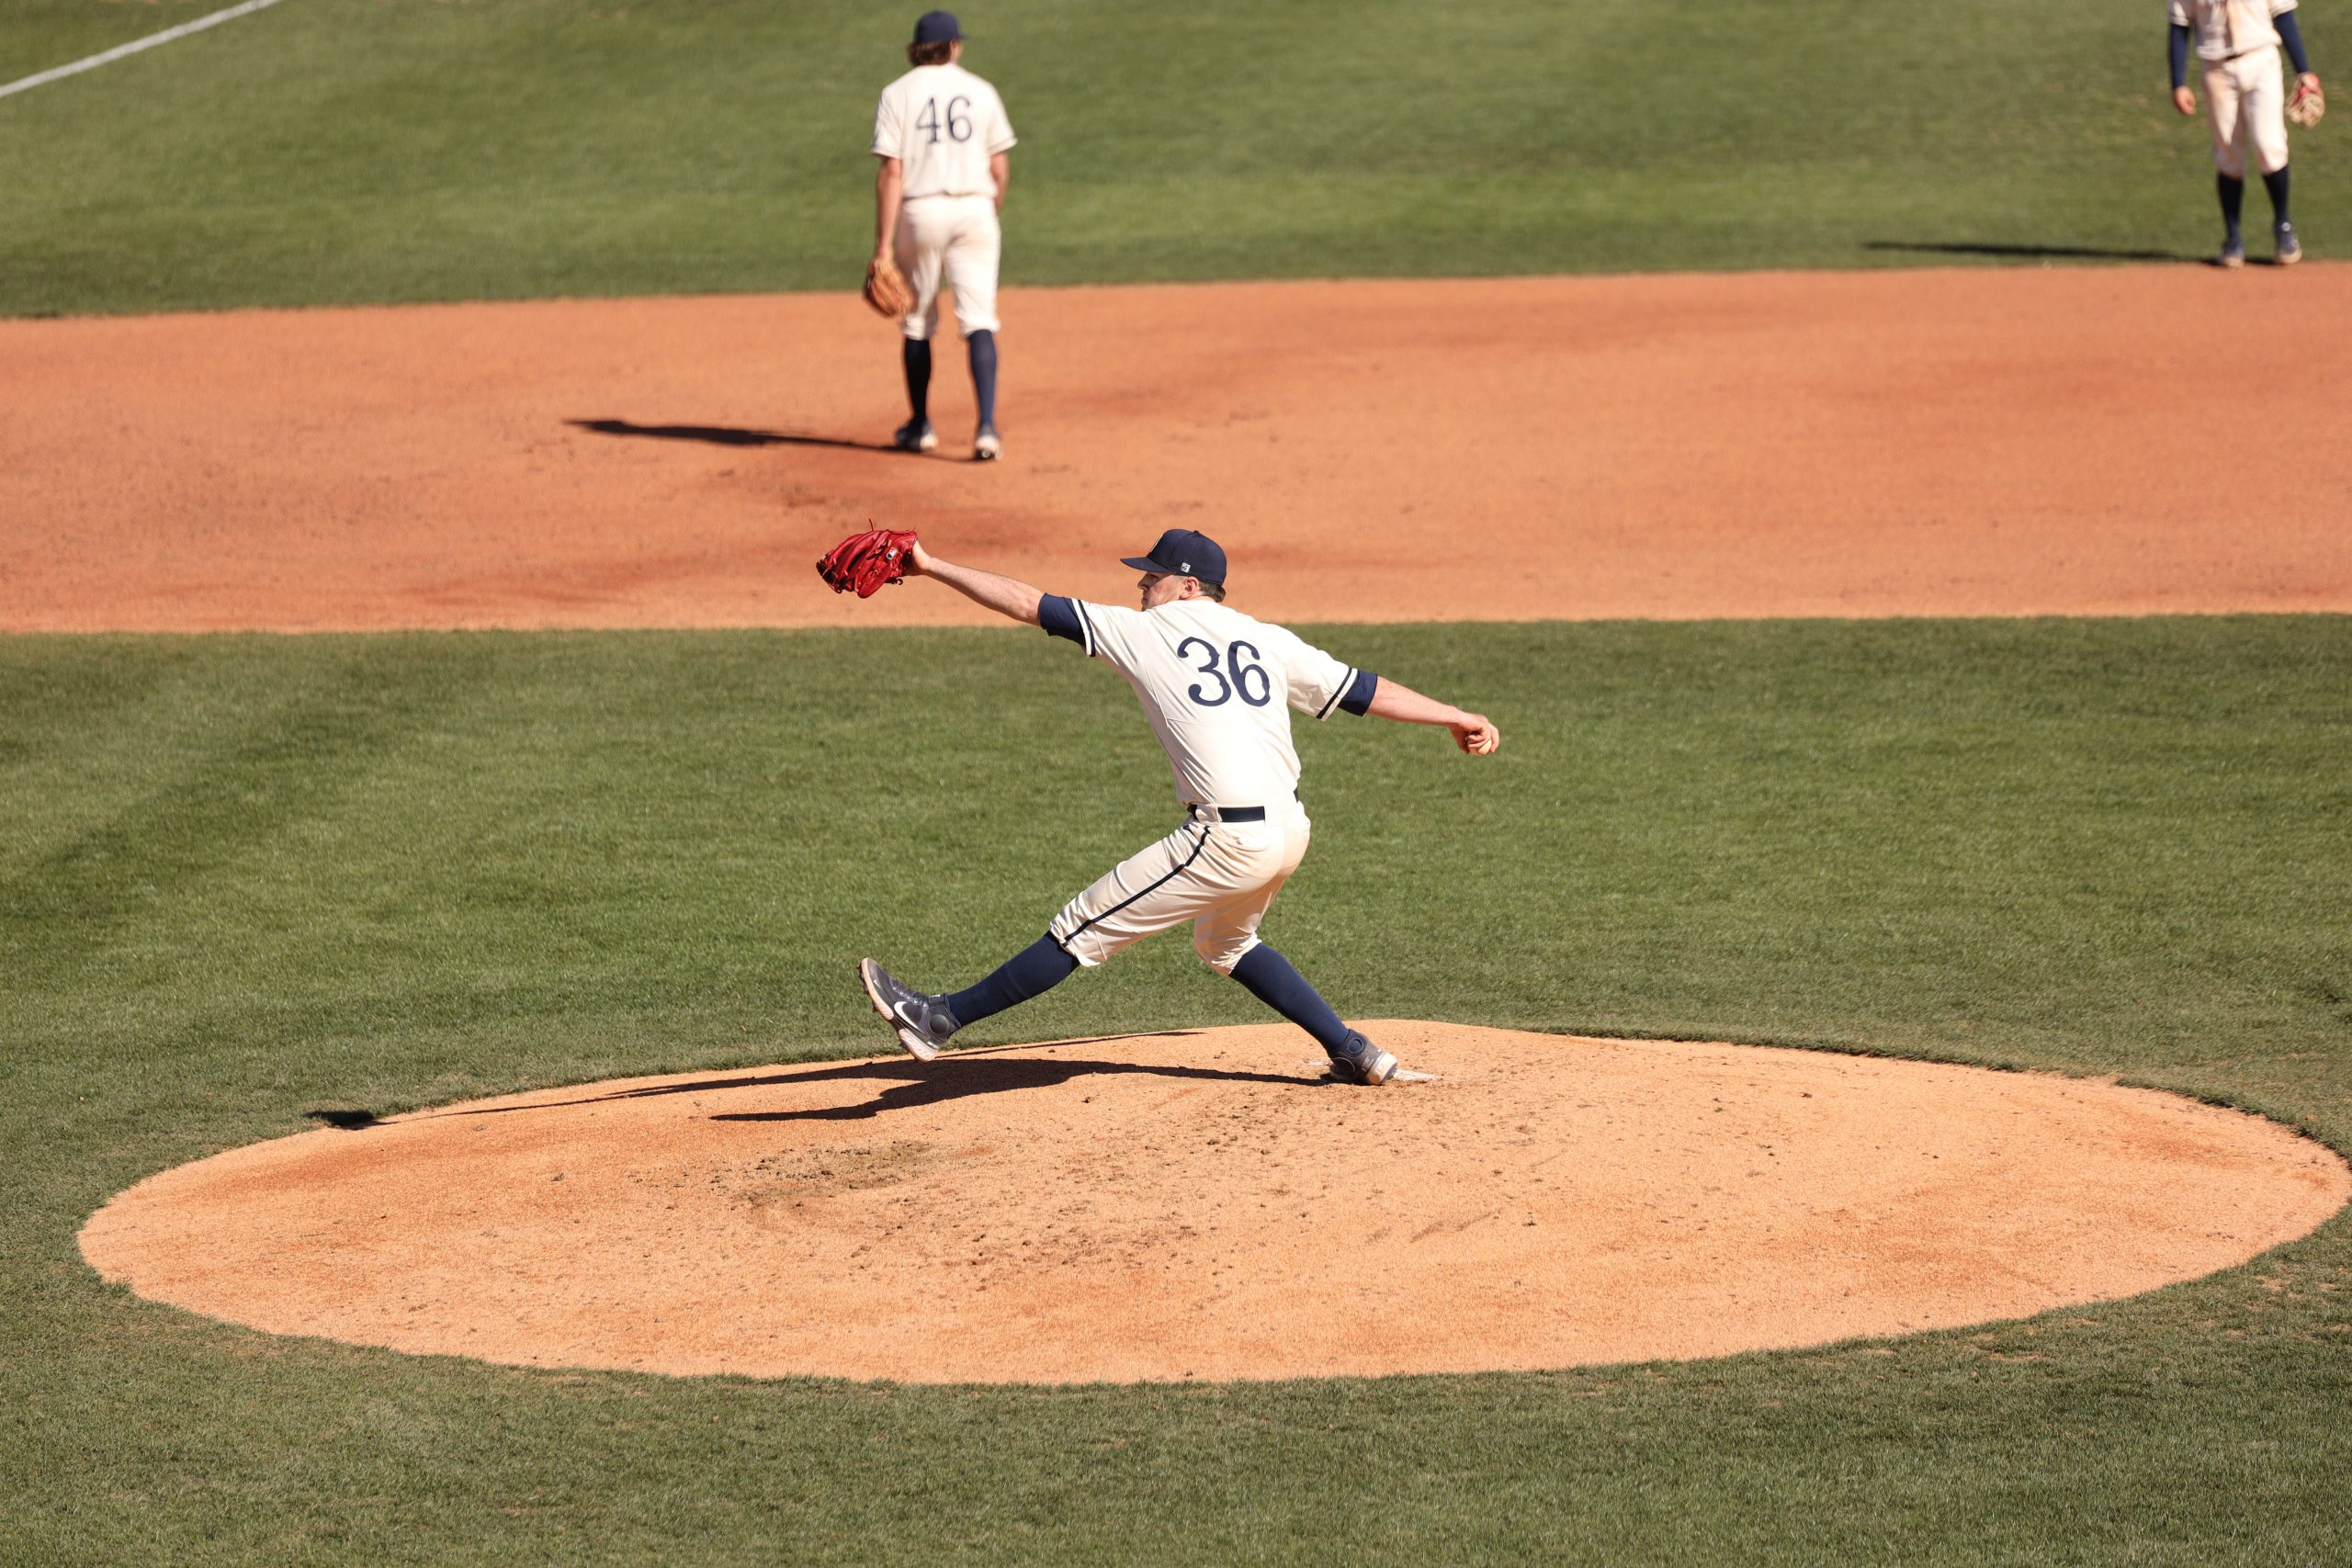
866 561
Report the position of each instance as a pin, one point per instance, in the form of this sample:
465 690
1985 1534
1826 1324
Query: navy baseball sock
916 357
2233 194
2276 184
983 349
1035 970
1270 979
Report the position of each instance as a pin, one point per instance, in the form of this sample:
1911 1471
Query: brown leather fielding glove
2307 103
886 289
866 561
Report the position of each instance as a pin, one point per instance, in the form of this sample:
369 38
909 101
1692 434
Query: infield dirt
1196 1205
1204 1204
1946 443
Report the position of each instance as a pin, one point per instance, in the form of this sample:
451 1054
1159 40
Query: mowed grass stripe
294 874
348 151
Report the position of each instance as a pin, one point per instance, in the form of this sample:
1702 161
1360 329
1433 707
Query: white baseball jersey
1217 686
943 124
2226 28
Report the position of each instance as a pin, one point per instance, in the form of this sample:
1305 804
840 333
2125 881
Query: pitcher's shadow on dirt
912 1083
920 1083
724 436
2030 253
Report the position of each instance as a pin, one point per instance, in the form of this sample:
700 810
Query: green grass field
250 879
330 151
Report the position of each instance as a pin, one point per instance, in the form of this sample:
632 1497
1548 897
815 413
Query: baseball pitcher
1218 688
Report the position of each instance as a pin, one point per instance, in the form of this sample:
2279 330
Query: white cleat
986 447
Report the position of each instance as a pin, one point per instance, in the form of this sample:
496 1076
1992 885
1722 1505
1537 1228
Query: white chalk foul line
166 35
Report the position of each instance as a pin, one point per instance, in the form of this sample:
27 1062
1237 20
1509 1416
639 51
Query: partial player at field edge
2237 44
1217 687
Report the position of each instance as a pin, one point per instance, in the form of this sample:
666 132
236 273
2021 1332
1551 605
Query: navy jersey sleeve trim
1358 697
1087 622
1060 618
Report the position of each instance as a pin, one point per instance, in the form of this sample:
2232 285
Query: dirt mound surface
1954 443
1203 1205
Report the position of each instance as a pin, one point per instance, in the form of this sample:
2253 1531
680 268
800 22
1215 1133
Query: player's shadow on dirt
913 1083
723 436
916 1083
2047 253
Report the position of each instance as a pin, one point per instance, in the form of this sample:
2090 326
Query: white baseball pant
2245 100
957 236
1218 875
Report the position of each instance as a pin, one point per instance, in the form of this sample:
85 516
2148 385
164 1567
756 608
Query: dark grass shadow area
724 436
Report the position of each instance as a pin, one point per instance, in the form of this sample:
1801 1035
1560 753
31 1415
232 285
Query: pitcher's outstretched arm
1474 732
1008 596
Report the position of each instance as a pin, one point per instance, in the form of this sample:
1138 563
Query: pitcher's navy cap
1182 553
936 27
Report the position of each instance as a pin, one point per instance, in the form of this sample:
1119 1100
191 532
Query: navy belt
1229 813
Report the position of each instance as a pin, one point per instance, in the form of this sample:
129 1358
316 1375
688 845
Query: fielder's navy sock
916 356
2232 193
983 349
2276 184
1270 979
1035 970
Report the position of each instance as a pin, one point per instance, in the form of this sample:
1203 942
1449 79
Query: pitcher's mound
1203 1205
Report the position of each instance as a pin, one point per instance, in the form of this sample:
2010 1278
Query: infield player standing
2237 43
1218 688
942 135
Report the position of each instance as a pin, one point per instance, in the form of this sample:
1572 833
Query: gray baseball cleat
2233 253
1359 1061
915 435
2290 249
922 1022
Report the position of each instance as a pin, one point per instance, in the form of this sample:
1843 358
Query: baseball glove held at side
886 289
2307 103
863 562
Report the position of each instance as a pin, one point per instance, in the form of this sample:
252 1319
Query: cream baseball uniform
2237 45
1218 688
943 124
